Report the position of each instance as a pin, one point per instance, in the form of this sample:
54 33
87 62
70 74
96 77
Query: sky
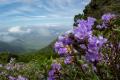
39 12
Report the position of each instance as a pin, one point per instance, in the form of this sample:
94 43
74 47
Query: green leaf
80 61
118 30
95 77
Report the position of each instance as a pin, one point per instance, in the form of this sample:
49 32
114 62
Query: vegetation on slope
40 61
96 8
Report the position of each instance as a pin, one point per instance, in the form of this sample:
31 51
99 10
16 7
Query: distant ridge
10 48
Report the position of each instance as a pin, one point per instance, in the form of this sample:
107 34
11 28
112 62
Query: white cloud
44 32
15 29
38 16
4 36
7 38
18 29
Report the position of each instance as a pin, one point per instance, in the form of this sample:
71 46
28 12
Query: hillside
96 8
11 48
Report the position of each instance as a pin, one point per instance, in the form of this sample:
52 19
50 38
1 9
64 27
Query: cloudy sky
39 12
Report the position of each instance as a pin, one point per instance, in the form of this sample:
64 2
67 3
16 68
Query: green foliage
96 8
4 56
79 16
33 70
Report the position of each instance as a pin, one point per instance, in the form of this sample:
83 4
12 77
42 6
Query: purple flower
68 60
65 40
97 42
107 17
85 67
51 73
104 25
11 78
92 57
86 23
82 33
84 29
92 40
101 41
82 23
93 48
94 68
54 73
56 66
51 78
21 78
9 67
58 45
61 38
99 26
94 45
60 48
62 51
90 22
83 46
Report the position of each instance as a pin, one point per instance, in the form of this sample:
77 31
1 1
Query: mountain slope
11 48
96 8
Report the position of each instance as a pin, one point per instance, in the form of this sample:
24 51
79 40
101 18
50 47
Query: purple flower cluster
18 78
61 45
69 60
94 44
106 18
102 26
54 73
12 67
84 31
